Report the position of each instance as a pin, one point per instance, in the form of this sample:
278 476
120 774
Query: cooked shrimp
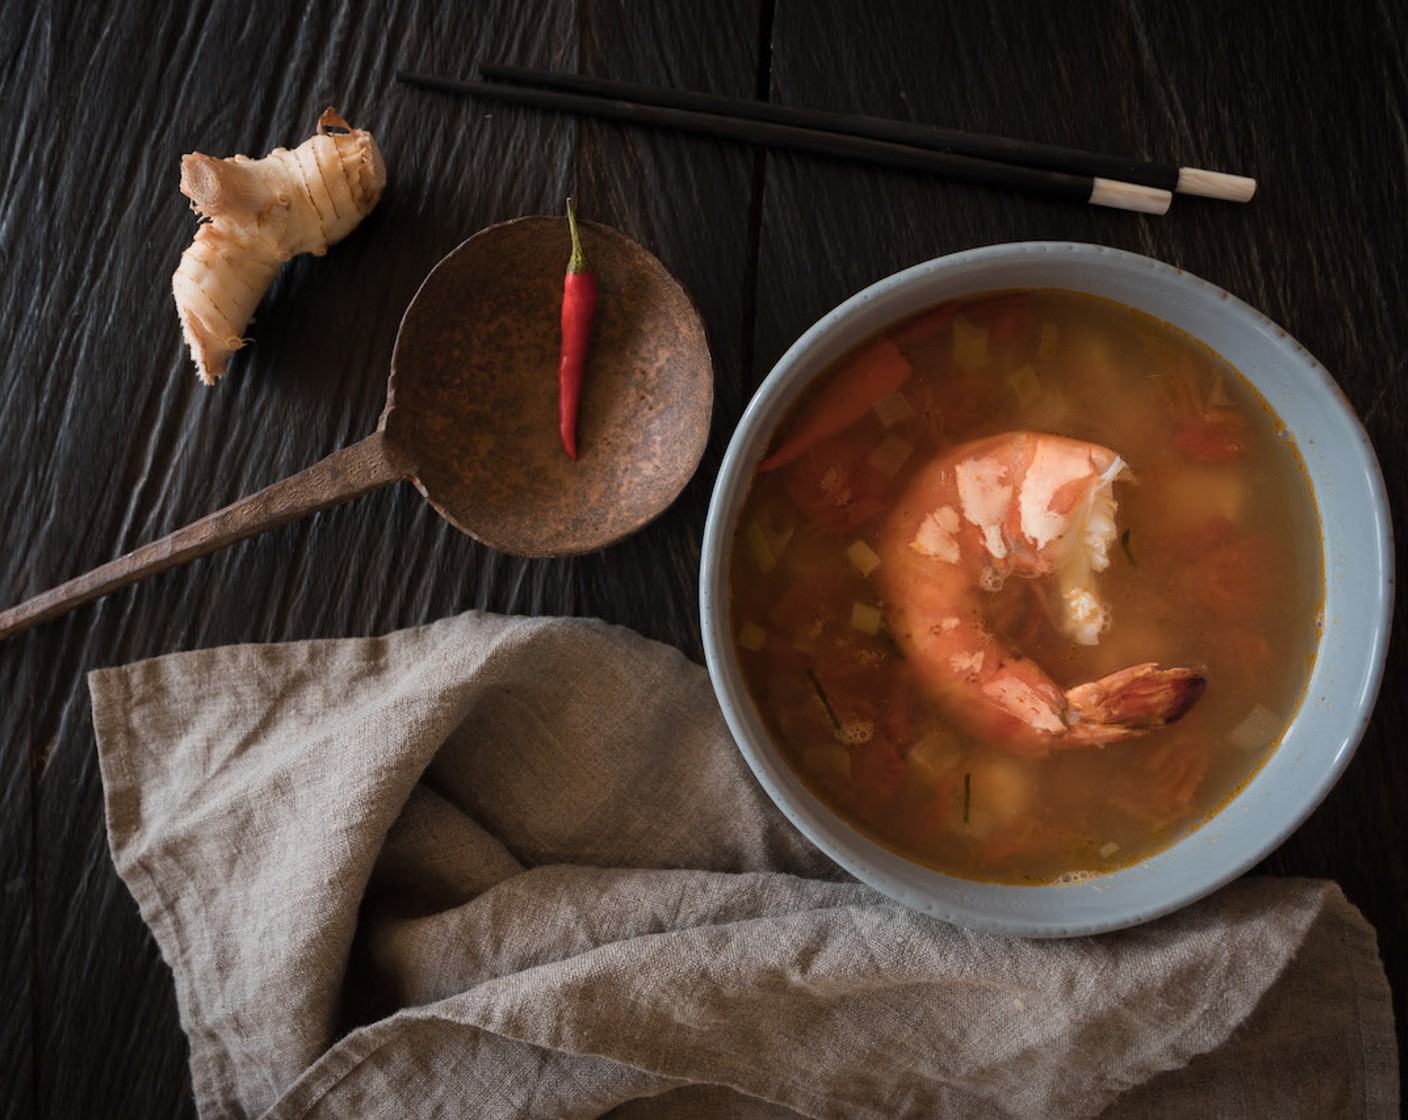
1024 504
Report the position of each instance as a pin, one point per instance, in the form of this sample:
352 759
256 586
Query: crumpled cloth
511 867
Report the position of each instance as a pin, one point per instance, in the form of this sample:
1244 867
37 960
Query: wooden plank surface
111 442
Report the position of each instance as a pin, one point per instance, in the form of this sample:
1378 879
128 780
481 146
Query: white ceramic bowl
1349 494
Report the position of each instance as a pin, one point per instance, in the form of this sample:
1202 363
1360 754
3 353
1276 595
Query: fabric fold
501 867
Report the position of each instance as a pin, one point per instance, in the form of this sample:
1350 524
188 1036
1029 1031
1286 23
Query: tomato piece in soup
836 486
1232 573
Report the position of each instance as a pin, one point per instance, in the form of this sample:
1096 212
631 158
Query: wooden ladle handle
365 466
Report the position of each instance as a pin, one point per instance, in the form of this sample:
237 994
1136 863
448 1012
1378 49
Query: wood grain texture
111 442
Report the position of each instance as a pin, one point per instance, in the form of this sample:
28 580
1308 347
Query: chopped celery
752 636
934 756
970 344
894 409
890 455
1257 730
768 537
863 558
762 551
865 618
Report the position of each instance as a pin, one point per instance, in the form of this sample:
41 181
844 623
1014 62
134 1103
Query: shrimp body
1020 504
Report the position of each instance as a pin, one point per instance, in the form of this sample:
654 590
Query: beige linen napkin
504 867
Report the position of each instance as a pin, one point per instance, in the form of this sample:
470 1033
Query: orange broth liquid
1217 567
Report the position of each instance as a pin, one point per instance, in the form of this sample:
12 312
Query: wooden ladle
471 413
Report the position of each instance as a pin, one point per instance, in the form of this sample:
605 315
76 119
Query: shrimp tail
1130 702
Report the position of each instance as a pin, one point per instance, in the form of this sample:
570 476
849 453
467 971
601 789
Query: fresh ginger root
257 214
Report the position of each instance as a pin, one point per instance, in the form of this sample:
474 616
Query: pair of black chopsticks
1065 173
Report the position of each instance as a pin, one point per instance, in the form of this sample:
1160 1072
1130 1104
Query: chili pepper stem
578 261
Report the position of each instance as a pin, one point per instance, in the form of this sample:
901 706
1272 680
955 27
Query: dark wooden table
110 441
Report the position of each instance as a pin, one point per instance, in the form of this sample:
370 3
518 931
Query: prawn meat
1032 505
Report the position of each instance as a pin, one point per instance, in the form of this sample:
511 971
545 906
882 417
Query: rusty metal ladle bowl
471 413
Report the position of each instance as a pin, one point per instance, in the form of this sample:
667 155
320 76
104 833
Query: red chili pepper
578 311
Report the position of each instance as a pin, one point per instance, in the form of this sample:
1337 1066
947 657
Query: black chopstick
1092 189
1165 176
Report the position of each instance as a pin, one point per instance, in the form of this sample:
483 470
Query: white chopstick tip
1215 184
1130 196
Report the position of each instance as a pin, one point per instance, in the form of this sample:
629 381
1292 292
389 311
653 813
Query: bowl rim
1338 453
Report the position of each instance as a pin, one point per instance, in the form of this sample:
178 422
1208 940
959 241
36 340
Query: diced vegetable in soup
1028 586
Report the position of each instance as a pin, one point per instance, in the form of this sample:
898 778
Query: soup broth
917 658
